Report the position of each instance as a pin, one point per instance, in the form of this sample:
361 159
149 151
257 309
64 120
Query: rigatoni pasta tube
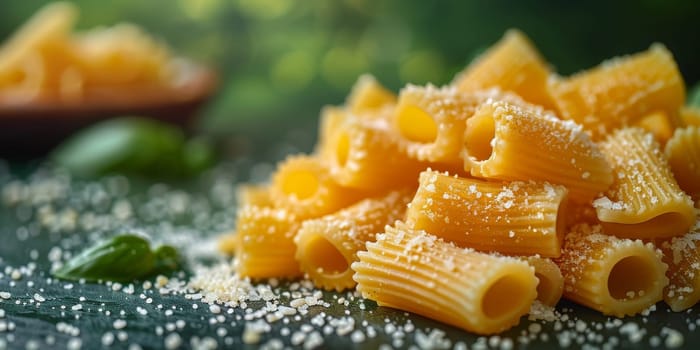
620 91
644 200
368 95
690 116
254 194
683 154
512 64
304 186
265 244
509 142
430 121
518 218
550 284
365 154
615 276
414 271
328 245
682 255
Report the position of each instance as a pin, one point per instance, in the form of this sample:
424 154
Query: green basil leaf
166 259
123 258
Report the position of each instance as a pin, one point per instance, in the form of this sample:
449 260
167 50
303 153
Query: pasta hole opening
479 137
342 149
301 184
325 257
416 125
504 297
544 287
631 278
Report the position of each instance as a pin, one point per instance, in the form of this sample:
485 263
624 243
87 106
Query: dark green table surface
42 209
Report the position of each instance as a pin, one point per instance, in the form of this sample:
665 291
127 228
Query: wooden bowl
32 128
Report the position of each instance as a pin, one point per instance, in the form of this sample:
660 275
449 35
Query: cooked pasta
644 200
683 154
328 245
682 255
304 186
368 95
264 247
615 276
620 91
366 155
512 64
509 142
518 218
331 120
414 271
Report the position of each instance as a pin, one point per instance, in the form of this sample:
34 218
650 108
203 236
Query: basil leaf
123 258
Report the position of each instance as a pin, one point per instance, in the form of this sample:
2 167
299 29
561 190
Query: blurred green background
281 60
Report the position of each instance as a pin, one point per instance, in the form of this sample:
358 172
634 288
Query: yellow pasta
644 200
518 218
512 64
327 246
615 276
368 95
414 271
331 120
366 155
659 124
304 186
430 121
49 25
683 154
228 243
265 244
257 195
509 142
550 285
690 116
682 255
620 91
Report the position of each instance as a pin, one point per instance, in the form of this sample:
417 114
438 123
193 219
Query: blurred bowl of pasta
54 81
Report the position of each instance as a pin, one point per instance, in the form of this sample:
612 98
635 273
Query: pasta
546 187
327 246
257 195
512 64
304 186
509 142
615 276
659 125
683 154
264 246
619 92
518 218
690 116
45 61
430 121
365 155
417 272
682 255
550 285
368 95
644 200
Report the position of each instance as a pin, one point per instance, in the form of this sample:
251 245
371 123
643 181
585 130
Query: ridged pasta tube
644 200
506 141
518 218
683 154
417 272
615 276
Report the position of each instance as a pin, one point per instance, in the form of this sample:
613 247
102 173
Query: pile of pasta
466 203
45 61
